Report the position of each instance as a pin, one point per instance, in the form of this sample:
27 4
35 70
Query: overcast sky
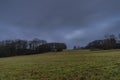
75 22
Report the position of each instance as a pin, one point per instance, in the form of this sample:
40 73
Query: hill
66 65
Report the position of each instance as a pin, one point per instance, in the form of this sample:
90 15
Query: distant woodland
24 47
110 41
37 46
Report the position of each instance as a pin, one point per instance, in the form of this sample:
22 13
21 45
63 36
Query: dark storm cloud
70 21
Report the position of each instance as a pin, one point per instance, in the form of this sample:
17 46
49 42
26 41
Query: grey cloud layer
70 21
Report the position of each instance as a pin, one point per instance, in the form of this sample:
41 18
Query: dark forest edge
24 47
109 42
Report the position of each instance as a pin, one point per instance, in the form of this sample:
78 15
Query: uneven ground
67 65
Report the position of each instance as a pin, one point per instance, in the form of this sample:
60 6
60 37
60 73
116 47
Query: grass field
67 65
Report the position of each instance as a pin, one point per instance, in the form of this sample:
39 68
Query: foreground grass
67 65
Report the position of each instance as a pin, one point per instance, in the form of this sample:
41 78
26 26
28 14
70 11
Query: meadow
66 65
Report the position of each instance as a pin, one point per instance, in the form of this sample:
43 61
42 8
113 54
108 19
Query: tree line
23 47
110 41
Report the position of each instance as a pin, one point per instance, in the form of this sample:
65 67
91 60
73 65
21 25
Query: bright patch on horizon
74 34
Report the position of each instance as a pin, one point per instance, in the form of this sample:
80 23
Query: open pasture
66 65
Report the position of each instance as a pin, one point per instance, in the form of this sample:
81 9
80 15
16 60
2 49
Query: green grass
67 65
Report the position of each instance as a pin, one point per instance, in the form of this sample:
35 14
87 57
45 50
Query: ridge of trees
110 41
24 47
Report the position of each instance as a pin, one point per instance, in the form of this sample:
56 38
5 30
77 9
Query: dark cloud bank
75 22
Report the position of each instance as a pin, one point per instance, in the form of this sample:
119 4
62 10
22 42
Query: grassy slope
67 65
